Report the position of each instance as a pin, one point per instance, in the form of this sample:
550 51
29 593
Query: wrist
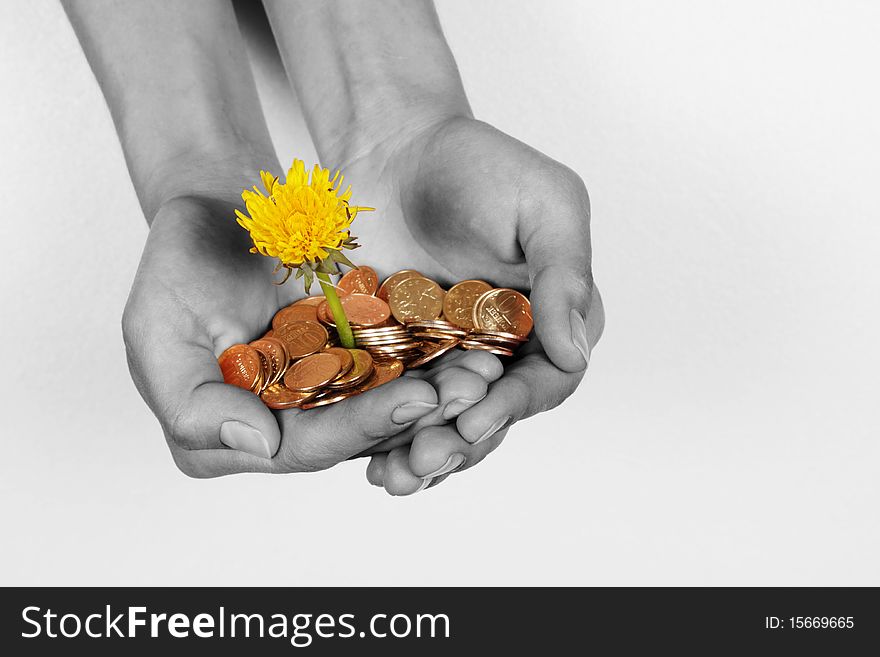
218 171
367 74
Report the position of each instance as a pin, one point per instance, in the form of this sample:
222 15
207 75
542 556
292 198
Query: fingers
435 453
376 470
174 367
555 237
460 383
529 386
321 437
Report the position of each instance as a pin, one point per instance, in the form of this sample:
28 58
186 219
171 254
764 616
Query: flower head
304 223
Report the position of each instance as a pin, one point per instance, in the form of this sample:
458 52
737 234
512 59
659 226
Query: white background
727 432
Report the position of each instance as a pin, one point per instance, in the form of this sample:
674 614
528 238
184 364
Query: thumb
174 368
556 241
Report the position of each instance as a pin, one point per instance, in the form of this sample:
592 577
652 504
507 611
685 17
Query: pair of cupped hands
456 200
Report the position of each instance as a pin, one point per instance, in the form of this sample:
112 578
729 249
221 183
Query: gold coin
392 281
458 305
302 338
503 310
433 351
416 299
278 397
312 372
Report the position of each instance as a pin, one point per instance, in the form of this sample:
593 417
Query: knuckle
181 428
188 465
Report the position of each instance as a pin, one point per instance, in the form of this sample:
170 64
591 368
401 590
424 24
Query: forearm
363 71
179 87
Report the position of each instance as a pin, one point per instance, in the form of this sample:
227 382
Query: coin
295 313
324 314
458 305
363 367
503 310
265 372
302 338
362 280
312 372
330 397
278 397
384 371
416 299
316 301
276 353
346 360
433 351
392 281
364 310
240 366
481 346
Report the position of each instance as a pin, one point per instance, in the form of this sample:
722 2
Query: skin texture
457 198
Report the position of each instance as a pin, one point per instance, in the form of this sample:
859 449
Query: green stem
339 318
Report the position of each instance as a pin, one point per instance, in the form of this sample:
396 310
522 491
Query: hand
197 291
458 199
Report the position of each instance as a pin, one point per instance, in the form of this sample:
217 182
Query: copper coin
295 313
433 351
302 338
265 372
458 305
275 351
240 365
310 301
362 280
279 397
376 330
363 367
324 314
503 310
346 360
364 310
391 282
331 397
416 299
491 348
384 371
312 372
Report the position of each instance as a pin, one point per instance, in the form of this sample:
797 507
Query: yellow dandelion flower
305 223
302 221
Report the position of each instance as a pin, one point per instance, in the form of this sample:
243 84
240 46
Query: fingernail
495 428
457 407
579 334
425 484
244 438
454 462
411 411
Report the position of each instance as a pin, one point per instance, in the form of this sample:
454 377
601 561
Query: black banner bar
436 621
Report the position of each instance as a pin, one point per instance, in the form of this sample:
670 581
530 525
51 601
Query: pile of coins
404 323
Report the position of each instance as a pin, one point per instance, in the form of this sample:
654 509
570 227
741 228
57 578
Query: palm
199 279
446 205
